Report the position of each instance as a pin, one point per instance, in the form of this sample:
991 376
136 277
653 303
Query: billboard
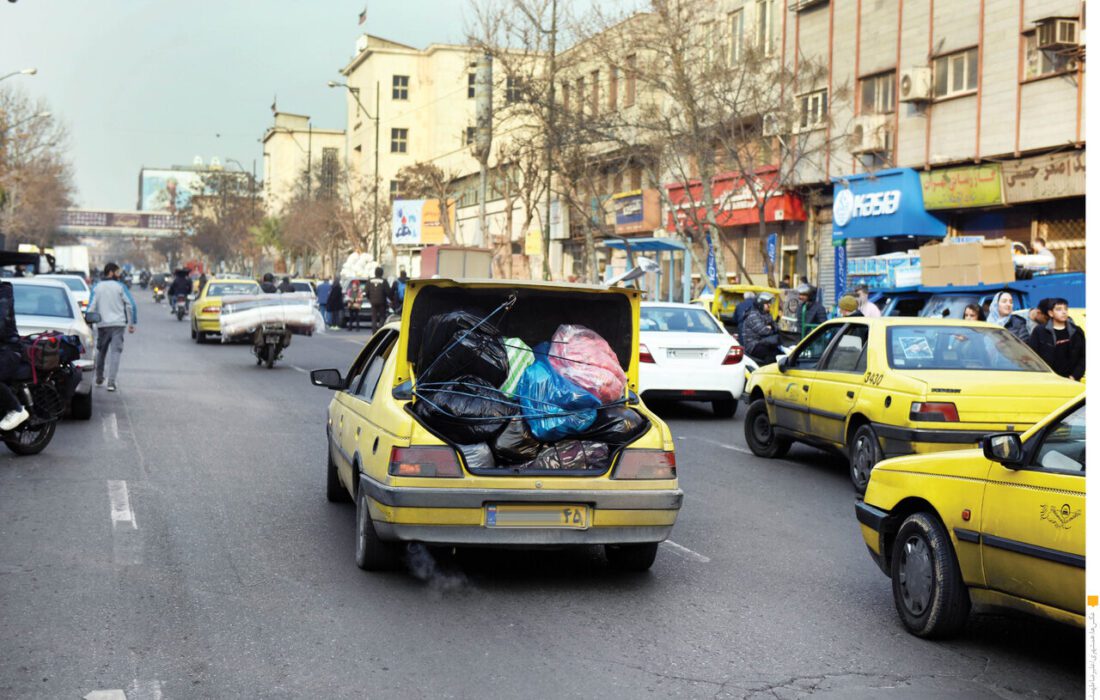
168 190
418 222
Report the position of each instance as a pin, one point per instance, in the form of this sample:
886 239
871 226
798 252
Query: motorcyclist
180 287
810 313
760 337
268 284
11 357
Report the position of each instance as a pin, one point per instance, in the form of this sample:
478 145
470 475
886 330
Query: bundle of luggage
297 312
556 406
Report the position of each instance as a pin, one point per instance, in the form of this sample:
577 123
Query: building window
956 73
399 140
330 167
813 108
709 49
631 80
1040 63
565 97
469 136
397 189
612 88
636 177
512 89
580 96
471 85
877 94
595 92
400 87
736 25
765 26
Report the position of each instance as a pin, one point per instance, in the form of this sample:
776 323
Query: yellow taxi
207 307
884 387
410 483
1002 526
728 296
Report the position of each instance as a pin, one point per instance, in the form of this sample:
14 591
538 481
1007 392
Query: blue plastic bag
553 406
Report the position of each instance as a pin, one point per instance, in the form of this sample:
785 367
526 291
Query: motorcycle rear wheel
27 441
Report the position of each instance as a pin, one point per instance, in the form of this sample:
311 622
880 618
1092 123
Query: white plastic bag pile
358 266
242 315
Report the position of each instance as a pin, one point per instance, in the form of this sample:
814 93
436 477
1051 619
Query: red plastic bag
582 356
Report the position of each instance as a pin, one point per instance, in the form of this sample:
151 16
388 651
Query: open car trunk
524 380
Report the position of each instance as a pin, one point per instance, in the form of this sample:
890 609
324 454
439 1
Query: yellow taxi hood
538 310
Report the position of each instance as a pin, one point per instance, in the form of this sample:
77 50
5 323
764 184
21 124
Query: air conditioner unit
1056 33
869 134
915 85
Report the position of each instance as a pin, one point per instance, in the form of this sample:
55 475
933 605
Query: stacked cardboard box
965 264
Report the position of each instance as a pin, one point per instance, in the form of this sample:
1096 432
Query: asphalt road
179 545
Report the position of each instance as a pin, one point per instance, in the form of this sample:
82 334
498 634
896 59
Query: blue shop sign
888 203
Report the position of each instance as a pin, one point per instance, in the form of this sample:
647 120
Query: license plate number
547 516
687 354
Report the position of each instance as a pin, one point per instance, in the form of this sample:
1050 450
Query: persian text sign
1045 177
958 188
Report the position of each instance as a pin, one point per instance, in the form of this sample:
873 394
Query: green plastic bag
520 358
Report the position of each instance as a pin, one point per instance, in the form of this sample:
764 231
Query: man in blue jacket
117 312
323 291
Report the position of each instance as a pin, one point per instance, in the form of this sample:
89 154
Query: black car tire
31 441
80 406
334 490
863 454
760 433
725 408
371 552
194 335
929 594
631 557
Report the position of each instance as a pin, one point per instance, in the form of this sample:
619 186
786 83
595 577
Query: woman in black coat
335 303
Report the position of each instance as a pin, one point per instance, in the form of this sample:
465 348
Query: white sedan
43 304
76 284
686 354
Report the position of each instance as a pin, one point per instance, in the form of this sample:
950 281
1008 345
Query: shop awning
733 201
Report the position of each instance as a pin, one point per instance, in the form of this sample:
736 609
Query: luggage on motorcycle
453 344
43 351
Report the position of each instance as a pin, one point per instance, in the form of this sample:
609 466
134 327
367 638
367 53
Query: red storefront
738 218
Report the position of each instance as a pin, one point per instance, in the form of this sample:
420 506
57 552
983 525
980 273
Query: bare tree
219 217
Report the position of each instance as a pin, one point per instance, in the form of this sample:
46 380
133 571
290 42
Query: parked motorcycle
268 342
181 307
44 386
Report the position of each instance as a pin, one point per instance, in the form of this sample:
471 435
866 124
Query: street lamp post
25 71
377 101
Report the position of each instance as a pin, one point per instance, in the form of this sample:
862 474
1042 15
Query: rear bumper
896 441
722 382
87 369
208 325
457 516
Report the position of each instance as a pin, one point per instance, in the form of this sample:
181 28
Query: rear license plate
685 354
551 516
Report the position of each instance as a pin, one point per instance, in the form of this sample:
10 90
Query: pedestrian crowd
346 307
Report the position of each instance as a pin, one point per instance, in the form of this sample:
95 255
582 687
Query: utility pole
483 85
551 136
377 183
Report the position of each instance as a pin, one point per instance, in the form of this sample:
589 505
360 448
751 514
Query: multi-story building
298 156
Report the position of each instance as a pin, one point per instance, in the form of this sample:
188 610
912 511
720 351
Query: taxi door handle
851 394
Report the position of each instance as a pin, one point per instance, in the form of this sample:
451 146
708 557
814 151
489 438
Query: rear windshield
301 286
233 288
74 283
674 320
959 347
35 300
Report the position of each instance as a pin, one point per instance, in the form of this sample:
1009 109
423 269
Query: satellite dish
361 43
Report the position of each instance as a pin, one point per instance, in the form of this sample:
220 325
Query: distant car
1002 526
207 308
883 387
302 285
76 284
43 304
686 354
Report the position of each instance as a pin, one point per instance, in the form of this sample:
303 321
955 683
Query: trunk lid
1019 399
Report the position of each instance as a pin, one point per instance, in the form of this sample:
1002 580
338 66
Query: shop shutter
1063 227
826 276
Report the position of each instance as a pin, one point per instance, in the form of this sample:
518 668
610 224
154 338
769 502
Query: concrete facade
293 150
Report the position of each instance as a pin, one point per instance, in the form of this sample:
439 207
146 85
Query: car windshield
677 320
948 305
971 348
74 283
40 300
226 289
301 286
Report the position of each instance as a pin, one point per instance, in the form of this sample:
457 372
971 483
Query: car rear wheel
200 337
80 407
863 454
929 592
631 557
334 490
760 433
725 408
371 552
194 335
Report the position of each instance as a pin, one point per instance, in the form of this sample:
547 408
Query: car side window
373 372
1063 446
815 346
355 375
849 353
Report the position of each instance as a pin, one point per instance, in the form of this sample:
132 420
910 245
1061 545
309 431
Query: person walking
866 306
397 299
117 314
1060 342
323 290
378 294
285 286
848 307
810 313
335 303
267 285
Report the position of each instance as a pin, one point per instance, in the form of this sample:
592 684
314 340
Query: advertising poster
419 222
168 190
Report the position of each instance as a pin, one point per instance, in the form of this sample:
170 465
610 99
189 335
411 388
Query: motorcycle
181 307
158 294
43 386
268 342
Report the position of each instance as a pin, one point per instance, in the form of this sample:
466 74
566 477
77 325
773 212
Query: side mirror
327 378
1005 448
783 363
92 317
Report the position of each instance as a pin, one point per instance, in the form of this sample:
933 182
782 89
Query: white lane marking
144 690
110 426
121 512
735 448
684 551
296 368
116 694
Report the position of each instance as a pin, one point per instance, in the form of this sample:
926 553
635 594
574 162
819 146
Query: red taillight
734 356
646 464
644 355
931 411
424 461
211 310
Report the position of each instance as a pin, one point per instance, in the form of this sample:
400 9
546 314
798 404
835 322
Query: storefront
738 219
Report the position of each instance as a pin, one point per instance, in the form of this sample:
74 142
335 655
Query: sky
155 83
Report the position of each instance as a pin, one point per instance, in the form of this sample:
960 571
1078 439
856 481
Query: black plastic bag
516 443
478 352
478 456
616 425
466 411
572 455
